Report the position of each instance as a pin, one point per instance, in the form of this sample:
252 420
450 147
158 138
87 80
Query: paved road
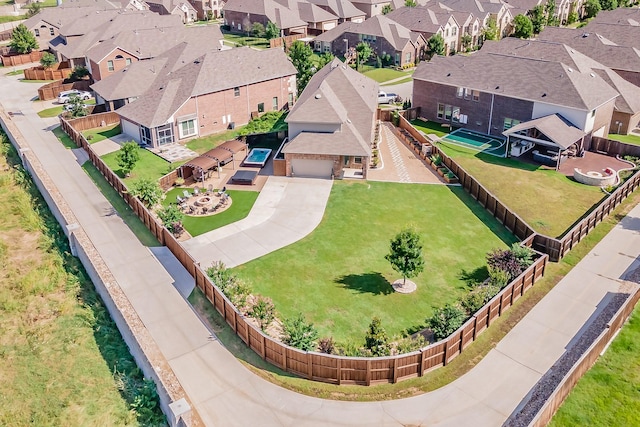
225 393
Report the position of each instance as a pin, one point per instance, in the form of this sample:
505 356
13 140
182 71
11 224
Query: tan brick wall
100 70
211 108
338 163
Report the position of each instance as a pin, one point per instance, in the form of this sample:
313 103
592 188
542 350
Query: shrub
572 18
147 190
504 260
327 345
238 292
523 254
299 333
478 297
222 277
264 311
436 159
409 344
22 40
376 339
78 73
127 156
257 29
446 320
48 59
170 216
352 350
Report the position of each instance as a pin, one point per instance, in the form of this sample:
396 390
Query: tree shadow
472 277
373 283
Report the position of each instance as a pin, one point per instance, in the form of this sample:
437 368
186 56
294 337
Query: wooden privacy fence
53 73
27 58
590 356
285 41
614 148
53 89
554 247
317 366
169 179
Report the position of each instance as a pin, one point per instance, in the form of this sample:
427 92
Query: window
454 31
164 134
509 123
37 32
290 100
447 112
593 113
440 111
467 93
236 91
275 103
110 66
476 95
460 92
357 160
346 160
407 57
145 135
52 32
187 128
446 32
261 107
455 116
128 61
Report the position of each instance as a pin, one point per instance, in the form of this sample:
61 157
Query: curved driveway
225 393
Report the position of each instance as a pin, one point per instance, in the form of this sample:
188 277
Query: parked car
66 95
68 106
386 98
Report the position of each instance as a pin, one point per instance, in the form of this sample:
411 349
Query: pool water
258 156
474 140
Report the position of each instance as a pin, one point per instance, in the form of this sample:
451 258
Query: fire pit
203 201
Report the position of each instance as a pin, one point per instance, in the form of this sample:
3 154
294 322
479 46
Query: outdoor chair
186 194
180 200
192 210
209 189
221 192
196 191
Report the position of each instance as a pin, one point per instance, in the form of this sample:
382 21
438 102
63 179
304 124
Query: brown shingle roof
281 15
562 134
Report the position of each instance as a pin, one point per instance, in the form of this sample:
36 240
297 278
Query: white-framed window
236 91
145 135
454 31
110 66
357 160
261 107
187 128
290 100
467 93
275 103
164 134
52 32
476 95
509 123
460 92
128 61
407 57
37 32
440 111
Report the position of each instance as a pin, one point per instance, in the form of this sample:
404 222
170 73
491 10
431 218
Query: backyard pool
257 157
477 141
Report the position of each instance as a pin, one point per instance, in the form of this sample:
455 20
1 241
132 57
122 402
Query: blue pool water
258 156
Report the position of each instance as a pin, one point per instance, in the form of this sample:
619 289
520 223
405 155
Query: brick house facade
115 61
241 22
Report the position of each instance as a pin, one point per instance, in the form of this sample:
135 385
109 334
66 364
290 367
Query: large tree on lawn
435 45
300 54
23 40
523 28
405 254
363 52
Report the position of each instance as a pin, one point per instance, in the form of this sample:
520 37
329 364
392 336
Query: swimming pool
257 157
476 141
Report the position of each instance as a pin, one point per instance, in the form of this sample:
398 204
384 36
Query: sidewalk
225 393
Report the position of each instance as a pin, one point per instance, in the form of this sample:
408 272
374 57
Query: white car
65 96
386 98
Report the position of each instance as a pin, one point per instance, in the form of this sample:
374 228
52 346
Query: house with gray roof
491 92
371 7
385 36
343 9
429 22
331 126
185 10
240 15
210 94
484 10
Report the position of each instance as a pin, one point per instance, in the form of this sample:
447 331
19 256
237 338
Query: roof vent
570 70
318 96
592 74
497 87
448 74
544 94
585 35
197 61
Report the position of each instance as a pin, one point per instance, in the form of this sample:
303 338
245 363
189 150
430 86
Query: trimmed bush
446 320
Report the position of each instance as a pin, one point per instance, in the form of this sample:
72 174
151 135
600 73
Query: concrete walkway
225 393
286 210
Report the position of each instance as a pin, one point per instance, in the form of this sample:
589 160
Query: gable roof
338 31
554 127
477 7
340 95
281 15
59 17
308 12
212 72
421 18
625 16
344 9
529 79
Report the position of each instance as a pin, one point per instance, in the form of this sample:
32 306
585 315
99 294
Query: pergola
213 158
551 131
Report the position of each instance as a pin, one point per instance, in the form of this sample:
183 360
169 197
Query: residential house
624 59
429 22
331 127
484 10
371 7
77 37
112 55
185 10
343 9
214 92
318 19
384 36
490 93
240 15
208 9
129 5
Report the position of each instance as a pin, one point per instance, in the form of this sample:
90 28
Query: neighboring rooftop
422 19
277 13
343 9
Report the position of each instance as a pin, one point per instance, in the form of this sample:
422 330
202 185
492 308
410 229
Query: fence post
339 370
368 375
395 370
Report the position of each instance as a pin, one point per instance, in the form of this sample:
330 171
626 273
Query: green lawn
64 138
629 139
15 73
122 208
382 75
547 200
5 19
206 143
241 204
430 127
57 110
241 40
35 81
609 394
271 121
149 166
338 276
102 133
406 80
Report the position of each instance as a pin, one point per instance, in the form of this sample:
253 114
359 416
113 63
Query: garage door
312 168
131 130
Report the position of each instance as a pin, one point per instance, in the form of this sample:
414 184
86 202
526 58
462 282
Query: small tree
466 40
257 29
77 107
435 45
147 190
327 345
573 17
592 8
299 333
363 52
446 320
22 40
300 54
128 156
272 31
550 11
376 338
221 276
609 4
324 59
523 28
491 32
538 18
410 3
78 73
386 9
405 254
34 9
48 59
171 216
264 311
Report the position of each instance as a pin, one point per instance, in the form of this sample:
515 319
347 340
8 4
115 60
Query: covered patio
201 167
551 140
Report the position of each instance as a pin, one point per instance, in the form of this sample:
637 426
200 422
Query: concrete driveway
286 210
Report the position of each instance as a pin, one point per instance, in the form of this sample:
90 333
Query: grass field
62 359
430 128
15 73
548 201
339 278
629 139
64 138
241 40
608 395
100 134
5 19
382 75
206 143
34 81
432 380
241 204
149 166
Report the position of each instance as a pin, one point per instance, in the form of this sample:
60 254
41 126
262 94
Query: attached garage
130 129
312 168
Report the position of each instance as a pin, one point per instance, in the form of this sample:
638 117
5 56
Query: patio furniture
180 200
244 177
186 194
196 190
209 189
221 192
